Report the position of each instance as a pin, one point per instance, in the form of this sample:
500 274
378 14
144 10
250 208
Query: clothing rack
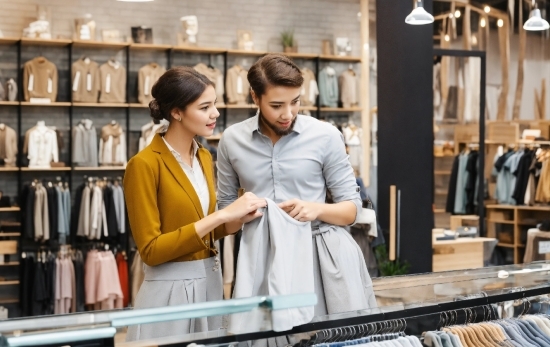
417 318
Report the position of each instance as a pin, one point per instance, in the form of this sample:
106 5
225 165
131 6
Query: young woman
171 201
294 160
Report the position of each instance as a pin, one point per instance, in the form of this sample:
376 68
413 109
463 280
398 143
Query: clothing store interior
406 204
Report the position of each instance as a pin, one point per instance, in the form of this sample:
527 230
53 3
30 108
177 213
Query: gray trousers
178 283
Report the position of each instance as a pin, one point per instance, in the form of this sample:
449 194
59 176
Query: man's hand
302 211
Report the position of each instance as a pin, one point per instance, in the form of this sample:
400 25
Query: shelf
9 301
99 44
11 263
501 221
9 169
214 137
340 58
9 103
205 50
10 209
8 283
97 104
243 107
137 105
101 168
301 55
9 234
52 104
442 172
507 245
501 207
40 42
243 52
8 40
46 169
439 210
150 47
521 208
308 108
341 109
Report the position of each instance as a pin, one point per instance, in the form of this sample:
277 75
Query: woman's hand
301 211
244 209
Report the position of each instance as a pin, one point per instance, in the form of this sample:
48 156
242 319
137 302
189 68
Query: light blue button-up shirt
302 164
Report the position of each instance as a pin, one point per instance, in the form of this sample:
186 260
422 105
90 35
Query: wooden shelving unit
10 209
97 104
510 219
99 44
9 103
101 168
52 104
341 109
41 42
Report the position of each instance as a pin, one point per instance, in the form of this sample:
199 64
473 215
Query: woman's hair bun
156 113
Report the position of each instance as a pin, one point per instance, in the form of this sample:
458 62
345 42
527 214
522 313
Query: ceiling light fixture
487 9
447 38
500 23
535 21
483 23
419 16
135 0
457 13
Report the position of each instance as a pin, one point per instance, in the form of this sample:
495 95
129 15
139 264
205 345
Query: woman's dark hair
176 88
274 70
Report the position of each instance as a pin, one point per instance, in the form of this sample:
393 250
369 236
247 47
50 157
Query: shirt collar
176 153
254 123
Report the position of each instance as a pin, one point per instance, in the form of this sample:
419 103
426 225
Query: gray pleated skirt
178 283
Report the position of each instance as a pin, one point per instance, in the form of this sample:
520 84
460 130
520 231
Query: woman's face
279 108
199 118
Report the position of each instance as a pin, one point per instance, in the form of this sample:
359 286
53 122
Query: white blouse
195 175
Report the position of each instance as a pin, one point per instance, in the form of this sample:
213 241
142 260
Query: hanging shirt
112 145
40 79
147 76
113 82
236 86
215 76
328 87
85 80
43 147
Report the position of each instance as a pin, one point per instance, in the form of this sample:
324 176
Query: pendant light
419 16
535 21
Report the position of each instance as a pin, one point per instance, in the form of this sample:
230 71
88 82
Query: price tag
108 84
544 247
146 87
30 88
76 81
89 81
239 85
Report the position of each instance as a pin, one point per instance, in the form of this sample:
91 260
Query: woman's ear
176 114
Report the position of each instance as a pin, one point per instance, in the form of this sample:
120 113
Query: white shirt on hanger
42 147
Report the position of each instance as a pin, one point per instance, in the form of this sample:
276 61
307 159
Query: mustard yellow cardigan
163 206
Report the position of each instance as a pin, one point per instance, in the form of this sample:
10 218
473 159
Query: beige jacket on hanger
310 89
348 85
85 80
8 145
215 76
113 82
112 146
236 86
147 76
40 79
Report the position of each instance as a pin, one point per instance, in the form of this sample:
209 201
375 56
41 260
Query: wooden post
521 59
393 222
365 93
504 43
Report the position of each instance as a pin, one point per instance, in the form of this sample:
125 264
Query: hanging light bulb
457 13
500 23
535 21
451 15
474 40
447 38
487 9
419 15
483 23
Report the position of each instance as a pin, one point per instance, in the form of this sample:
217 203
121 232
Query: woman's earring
179 119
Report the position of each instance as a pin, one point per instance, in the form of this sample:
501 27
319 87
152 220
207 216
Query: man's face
279 107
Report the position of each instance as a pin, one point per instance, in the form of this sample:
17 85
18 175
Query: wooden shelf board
341 109
301 55
8 283
439 210
521 208
99 44
442 172
501 207
340 58
206 50
39 42
46 169
507 245
11 263
97 104
308 108
244 107
150 47
9 234
101 168
9 103
53 104
10 209
243 52
9 40
214 137
138 105
9 301
9 169
500 221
